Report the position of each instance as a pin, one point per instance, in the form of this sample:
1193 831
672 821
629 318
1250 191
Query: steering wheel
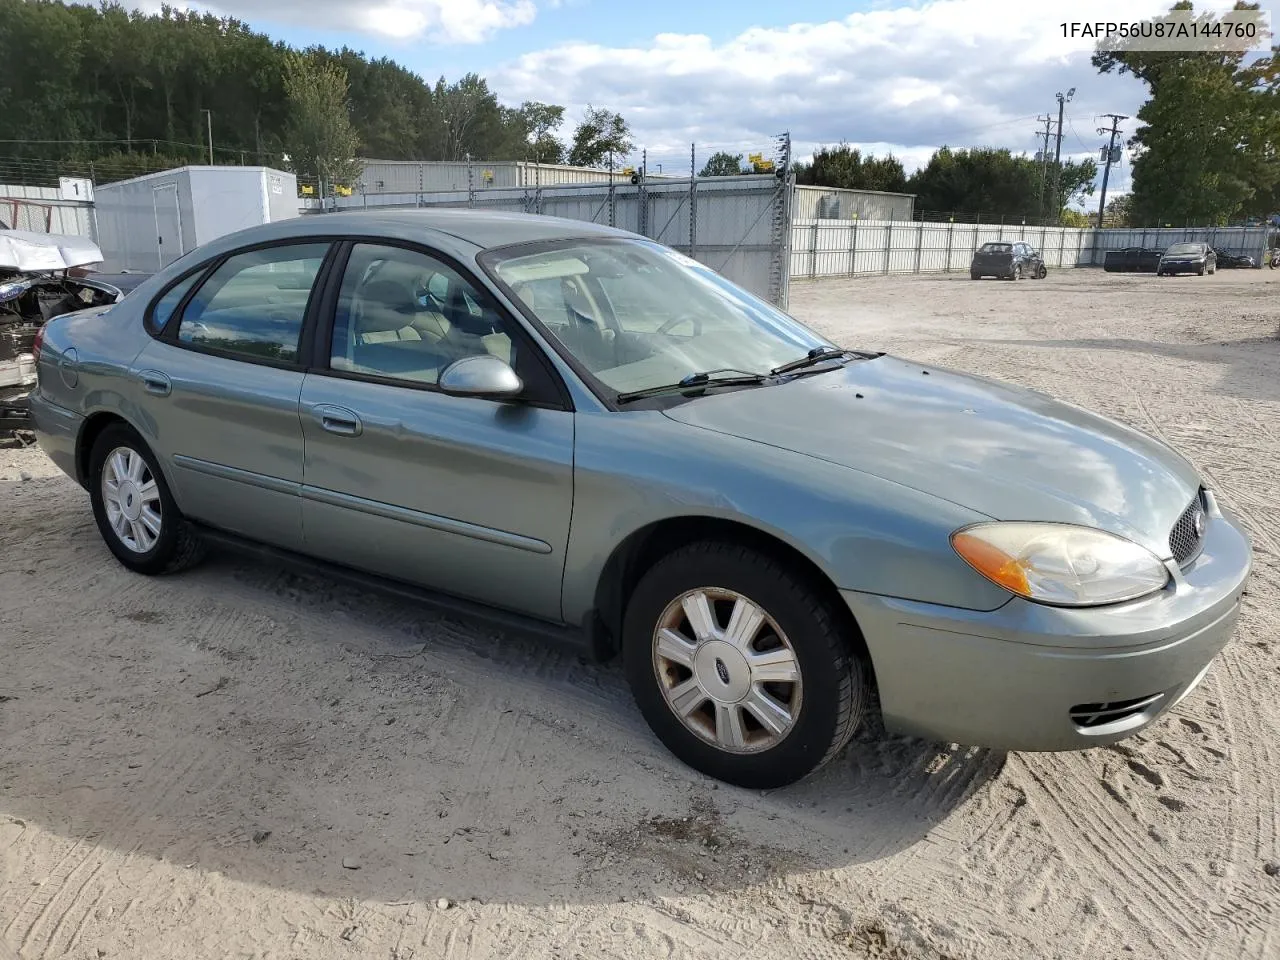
692 318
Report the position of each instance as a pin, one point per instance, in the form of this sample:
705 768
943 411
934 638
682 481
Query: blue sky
901 76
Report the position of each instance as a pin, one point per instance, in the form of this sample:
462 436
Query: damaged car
42 276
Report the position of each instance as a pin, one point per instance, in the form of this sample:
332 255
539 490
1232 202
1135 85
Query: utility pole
1057 155
208 115
1115 119
1044 156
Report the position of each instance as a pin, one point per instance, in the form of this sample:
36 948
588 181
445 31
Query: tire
176 546
1016 274
1200 271
827 703
974 276
1042 272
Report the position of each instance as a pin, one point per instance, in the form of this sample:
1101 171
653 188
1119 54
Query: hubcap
132 499
727 670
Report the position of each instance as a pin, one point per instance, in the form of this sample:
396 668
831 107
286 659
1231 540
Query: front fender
634 469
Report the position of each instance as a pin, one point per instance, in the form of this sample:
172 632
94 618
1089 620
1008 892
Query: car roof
481 229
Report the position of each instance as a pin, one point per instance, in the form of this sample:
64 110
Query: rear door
220 389
464 495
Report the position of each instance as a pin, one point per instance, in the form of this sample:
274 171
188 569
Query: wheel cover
131 499
727 670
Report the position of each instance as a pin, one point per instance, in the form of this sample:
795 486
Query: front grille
1089 715
1187 535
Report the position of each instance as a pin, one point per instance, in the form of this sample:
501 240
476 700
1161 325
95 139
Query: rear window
996 248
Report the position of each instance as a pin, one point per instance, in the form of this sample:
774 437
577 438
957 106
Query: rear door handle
155 382
337 420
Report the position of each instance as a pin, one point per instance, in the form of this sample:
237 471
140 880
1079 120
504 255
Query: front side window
253 306
406 315
637 315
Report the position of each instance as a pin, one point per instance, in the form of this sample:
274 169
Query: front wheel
135 512
1042 272
741 668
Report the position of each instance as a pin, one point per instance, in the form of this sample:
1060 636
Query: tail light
37 343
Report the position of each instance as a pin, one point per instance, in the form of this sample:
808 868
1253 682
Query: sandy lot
238 762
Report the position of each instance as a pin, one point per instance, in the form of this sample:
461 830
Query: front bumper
1182 267
1033 677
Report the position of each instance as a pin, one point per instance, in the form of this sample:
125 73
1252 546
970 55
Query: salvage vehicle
581 433
1233 260
37 284
1007 261
1197 258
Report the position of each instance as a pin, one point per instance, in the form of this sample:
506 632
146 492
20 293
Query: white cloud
436 21
907 78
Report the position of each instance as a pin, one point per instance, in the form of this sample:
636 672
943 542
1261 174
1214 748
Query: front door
219 393
464 495
168 223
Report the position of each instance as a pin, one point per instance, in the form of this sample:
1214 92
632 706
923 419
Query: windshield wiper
814 356
698 381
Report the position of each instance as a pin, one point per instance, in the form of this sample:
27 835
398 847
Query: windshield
1181 248
996 248
638 315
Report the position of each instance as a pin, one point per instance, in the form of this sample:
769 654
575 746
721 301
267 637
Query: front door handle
156 383
337 420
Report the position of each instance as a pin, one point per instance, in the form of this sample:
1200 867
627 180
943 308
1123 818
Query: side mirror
483 375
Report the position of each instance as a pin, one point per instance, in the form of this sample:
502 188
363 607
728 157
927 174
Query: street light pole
208 115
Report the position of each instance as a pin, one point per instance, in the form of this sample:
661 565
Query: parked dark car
1007 260
1197 258
1234 260
1132 260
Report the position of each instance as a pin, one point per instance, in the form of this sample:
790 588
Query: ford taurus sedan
583 433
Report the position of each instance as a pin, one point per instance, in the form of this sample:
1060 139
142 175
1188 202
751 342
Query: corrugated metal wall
42 210
852 204
832 248
732 230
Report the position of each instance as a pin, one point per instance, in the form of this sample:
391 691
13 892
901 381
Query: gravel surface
242 762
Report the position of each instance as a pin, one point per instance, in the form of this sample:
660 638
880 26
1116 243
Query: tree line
986 180
85 83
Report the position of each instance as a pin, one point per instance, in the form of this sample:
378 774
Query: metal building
439 176
150 221
830 203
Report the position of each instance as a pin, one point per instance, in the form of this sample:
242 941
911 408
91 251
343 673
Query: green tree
722 164
320 138
1118 211
994 183
846 168
1208 138
600 134
538 120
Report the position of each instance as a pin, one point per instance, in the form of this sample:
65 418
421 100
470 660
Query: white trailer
148 222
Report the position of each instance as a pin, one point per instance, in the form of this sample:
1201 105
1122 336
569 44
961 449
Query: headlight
1059 563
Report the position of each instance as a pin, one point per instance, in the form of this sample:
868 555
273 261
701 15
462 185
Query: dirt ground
239 762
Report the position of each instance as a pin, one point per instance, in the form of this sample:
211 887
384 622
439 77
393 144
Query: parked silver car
590 435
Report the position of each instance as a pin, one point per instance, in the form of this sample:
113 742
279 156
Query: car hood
23 251
1003 451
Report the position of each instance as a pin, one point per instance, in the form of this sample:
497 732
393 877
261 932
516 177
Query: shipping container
148 222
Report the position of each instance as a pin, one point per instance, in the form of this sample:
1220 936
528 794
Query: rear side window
168 303
253 305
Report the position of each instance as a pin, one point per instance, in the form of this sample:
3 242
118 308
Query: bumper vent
1187 535
1091 715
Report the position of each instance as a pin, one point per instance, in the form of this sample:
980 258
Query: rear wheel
1016 273
134 510
974 276
740 667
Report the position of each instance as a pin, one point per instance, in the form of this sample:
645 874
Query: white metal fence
735 225
833 248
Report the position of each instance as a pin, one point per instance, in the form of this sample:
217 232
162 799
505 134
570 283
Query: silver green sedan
579 432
